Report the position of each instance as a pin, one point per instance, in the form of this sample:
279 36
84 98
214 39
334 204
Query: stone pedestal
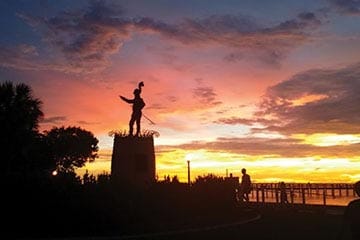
133 160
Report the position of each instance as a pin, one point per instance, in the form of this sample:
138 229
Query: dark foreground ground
166 211
253 222
300 222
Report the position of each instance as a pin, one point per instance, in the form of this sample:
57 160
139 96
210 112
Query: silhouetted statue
245 186
138 104
352 216
283 195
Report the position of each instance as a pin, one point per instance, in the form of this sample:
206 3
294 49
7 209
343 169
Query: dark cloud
244 121
269 44
26 57
20 57
62 119
349 7
239 31
54 120
310 17
268 57
235 121
286 148
334 107
87 38
163 106
205 95
234 57
27 49
172 99
157 106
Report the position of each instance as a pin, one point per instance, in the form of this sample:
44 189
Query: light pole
188 169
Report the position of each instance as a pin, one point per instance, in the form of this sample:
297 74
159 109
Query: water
315 197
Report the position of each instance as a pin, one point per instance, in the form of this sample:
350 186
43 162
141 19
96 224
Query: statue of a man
138 104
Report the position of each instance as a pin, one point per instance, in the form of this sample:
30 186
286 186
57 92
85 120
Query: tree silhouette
20 114
71 147
208 179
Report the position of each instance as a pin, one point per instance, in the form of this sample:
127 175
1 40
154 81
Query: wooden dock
300 192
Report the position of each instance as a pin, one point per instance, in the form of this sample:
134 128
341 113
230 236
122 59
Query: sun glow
308 99
262 168
325 139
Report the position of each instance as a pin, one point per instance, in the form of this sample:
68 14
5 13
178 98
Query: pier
304 193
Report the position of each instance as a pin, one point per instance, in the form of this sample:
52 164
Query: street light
188 169
189 157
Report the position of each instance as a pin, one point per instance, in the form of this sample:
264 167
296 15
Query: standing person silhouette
283 195
138 104
245 186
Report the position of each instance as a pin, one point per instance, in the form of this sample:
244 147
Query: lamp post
188 169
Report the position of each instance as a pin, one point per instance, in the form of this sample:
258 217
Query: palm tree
20 114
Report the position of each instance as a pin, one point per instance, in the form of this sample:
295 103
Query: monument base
133 160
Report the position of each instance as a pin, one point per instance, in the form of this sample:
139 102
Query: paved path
180 233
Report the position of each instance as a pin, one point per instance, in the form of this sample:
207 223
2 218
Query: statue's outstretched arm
126 100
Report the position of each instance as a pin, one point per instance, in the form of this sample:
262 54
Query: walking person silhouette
138 104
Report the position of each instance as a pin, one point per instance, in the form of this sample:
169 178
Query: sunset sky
272 86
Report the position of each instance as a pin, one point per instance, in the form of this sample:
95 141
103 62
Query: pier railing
303 193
